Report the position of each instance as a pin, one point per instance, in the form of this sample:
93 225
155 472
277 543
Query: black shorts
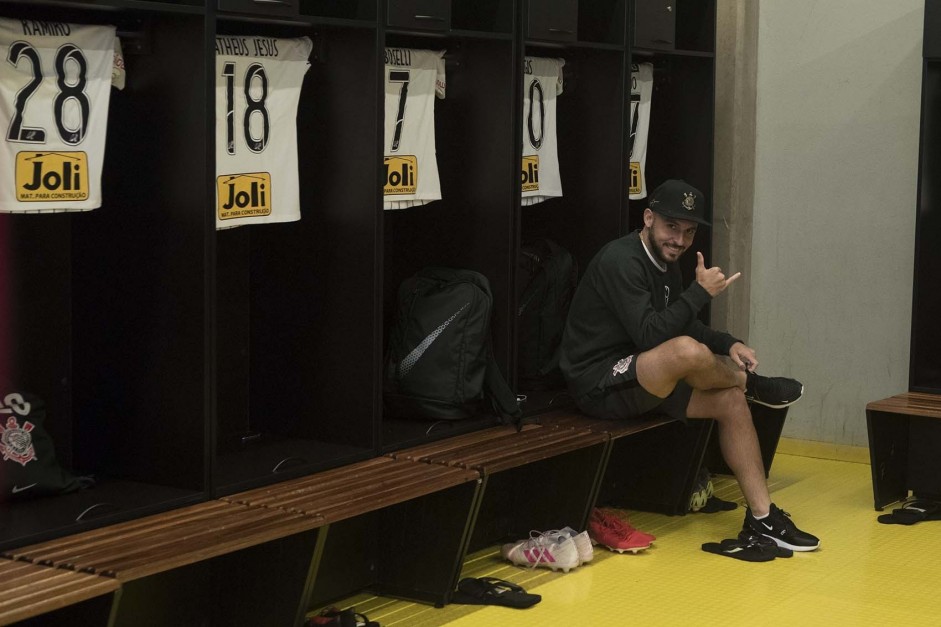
619 396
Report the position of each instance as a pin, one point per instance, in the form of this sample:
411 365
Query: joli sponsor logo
243 195
635 177
51 176
401 175
530 174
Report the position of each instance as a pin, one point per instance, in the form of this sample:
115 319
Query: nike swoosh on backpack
19 489
409 361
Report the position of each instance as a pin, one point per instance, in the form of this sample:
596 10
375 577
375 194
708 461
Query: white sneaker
545 550
582 544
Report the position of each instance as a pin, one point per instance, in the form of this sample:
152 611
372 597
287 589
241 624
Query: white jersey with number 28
55 86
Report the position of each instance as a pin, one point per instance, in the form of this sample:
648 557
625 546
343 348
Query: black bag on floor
548 276
440 360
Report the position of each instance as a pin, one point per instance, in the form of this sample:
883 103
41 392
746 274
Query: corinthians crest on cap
675 198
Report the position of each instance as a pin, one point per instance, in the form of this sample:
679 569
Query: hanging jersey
641 91
542 83
55 85
258 87
412 80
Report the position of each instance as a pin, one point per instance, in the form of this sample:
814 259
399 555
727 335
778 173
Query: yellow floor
865 573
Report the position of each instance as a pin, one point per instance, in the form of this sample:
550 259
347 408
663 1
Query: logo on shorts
622 366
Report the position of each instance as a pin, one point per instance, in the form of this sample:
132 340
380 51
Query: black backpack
28 466
547 278
440 360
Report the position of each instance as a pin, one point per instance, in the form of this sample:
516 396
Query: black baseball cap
680 200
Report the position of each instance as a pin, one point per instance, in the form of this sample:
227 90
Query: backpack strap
502 398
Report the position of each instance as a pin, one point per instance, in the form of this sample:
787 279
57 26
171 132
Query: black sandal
747 547
912 512
493 591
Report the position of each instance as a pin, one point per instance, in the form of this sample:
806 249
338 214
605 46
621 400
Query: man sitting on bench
633 344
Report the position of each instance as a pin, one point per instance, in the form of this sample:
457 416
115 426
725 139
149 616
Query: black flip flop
748 547
493 591
765 542
913 512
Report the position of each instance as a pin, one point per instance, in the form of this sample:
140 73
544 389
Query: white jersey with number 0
641 91
412 80
258 86
55 85
542 83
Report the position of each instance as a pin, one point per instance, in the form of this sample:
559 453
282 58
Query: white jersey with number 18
55 86
258 86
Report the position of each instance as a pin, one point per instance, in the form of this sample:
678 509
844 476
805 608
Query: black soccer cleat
778 526
772 391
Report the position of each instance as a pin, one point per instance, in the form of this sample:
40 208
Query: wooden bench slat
547 449
335 476
512 452
484 435
127 531
411 481
27 590
191 537
617 428
338 484
146 563
165 541
909 403
504 442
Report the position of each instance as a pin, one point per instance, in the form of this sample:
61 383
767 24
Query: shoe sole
793 547
776 405
633 549
551 565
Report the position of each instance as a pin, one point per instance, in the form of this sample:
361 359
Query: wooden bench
28 591
395 527
650 463
653 462
539 478
188 566
904 446
310 540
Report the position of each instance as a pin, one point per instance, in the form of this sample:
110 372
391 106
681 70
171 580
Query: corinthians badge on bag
16 443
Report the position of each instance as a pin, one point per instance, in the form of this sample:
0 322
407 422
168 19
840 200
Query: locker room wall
839 89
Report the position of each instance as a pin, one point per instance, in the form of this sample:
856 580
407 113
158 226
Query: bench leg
888 456
655 470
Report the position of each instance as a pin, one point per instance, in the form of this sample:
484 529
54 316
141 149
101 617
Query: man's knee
731 405
724 405
690 354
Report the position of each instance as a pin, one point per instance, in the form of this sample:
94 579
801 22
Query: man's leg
737 440
684 359
718 393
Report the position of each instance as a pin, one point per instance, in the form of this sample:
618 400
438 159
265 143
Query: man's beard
657 249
